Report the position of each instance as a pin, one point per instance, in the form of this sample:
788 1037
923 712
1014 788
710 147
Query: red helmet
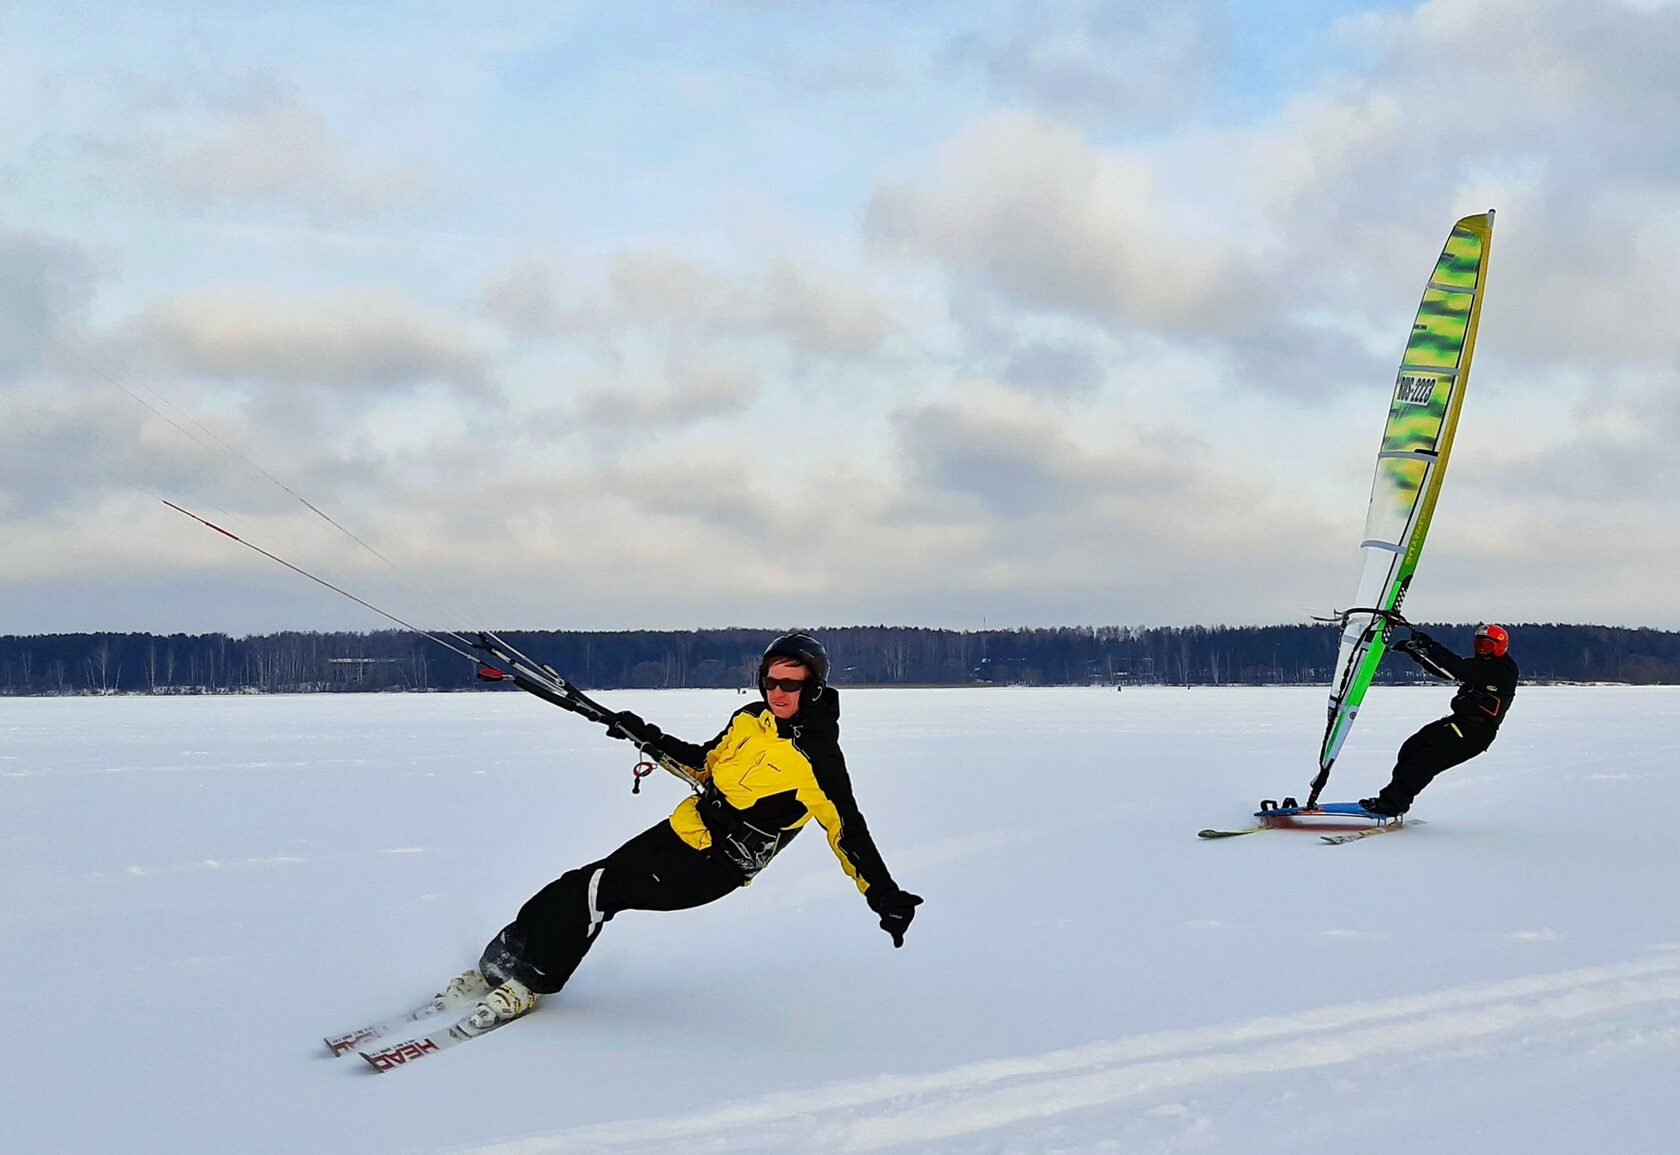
1491 641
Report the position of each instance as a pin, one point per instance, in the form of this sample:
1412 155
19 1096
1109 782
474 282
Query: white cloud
524 299
1292 242
1030 208
1053 367
1128 62
807 310
1011 460
344 341
286 154
45 283
223 141
684 394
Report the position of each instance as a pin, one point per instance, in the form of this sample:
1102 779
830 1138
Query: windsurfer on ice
776 765
1487 683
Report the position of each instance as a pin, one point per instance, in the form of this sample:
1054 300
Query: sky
690 315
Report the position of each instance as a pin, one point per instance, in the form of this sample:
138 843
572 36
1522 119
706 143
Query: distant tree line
296 662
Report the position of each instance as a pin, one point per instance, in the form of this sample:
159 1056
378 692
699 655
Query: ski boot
466 985
1379 806
508 1001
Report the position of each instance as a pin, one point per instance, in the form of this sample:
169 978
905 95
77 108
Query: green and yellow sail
1411 463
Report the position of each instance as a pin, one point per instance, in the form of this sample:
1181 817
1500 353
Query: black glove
625 724
1416 643
896 908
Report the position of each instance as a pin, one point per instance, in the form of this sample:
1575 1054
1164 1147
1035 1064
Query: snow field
195 890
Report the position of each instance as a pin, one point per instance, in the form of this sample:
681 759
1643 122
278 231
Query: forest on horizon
383 660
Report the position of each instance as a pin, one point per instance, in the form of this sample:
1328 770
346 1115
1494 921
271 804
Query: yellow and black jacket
765 779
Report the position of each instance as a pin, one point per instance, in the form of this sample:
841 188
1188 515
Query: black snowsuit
766 778
1486 687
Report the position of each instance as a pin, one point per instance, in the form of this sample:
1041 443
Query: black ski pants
1441 745
655 870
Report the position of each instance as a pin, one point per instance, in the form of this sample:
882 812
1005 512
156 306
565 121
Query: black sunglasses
786 685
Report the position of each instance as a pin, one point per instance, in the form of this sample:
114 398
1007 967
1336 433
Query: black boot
1381 806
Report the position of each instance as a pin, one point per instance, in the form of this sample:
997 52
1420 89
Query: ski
457 996
402 1053
1284 818
1355 835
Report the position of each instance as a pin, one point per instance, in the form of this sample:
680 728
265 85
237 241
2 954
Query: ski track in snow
925 1110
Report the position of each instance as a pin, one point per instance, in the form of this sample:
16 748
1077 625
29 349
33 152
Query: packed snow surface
195 891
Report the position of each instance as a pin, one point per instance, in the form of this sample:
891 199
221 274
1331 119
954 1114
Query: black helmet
802 648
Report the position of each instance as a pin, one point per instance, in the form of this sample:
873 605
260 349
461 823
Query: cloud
674 533
524 299
1036 507
45 284
1596 547
1562 116
72 448
1289 245
1054 367
1028 208
686 394
224 140
1601 443
346 342
36 443
811 313
1030 213
93 433
1014 464
717 492
284 154
996 453
816 313
649 290
654 341
1132 62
